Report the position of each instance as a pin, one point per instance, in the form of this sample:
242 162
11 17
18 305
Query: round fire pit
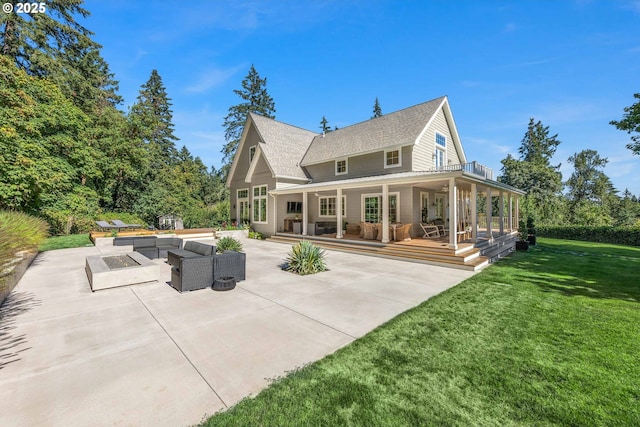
224 284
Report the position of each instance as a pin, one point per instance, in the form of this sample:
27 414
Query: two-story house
408 166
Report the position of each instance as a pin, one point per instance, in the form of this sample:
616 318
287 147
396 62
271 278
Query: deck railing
471 167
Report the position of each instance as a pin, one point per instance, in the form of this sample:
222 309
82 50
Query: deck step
470 259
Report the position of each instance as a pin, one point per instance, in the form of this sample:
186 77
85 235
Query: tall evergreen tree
377 110
631 123
534 173
152 121
255 100
54 45
324 125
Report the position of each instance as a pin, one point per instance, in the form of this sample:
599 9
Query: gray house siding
423 152
360 166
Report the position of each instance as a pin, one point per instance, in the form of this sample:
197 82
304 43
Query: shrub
19 232
616 235
228 244
255 235
305 258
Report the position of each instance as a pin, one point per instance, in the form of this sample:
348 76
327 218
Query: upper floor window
252 152
341 167
439 157
441 140
392 158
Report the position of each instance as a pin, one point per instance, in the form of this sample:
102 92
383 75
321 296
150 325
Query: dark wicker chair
190 249
146 245
199 272
230 264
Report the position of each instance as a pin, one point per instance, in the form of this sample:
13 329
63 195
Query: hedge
616 235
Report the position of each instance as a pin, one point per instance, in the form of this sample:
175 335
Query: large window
260 204
440 157
341 167
372 208
392 158
243 205
328 206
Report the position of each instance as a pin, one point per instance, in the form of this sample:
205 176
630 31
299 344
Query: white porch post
510 220
339 213
453 215
473 205
305 212
501 212
385 213
518 213
489 212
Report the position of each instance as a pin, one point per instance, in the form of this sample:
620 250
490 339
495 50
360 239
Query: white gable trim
446 109
236 156
252 165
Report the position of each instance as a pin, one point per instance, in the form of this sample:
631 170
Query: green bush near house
228 244
305 258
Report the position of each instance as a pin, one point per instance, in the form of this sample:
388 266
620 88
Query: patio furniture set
194 265
437 228
373 231
115 224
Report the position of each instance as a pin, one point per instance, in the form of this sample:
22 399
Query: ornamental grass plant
228 244
19 232
306 258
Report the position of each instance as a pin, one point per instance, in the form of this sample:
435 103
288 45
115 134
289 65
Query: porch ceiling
430 180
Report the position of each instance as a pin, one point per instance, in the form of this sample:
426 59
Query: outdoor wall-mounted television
294 207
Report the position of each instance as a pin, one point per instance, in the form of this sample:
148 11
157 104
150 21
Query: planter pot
531 239
522 245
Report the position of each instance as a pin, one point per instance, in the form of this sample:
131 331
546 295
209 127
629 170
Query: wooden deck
427 251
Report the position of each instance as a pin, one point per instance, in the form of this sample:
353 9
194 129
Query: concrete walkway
148 355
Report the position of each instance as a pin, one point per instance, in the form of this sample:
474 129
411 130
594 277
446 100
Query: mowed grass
548 337
63 242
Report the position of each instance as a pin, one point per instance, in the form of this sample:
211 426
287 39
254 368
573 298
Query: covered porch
470 206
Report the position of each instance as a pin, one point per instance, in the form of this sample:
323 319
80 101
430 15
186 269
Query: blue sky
574 65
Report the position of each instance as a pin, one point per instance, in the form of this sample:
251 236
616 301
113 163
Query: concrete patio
148 355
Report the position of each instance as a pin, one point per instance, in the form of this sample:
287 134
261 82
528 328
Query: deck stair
467 258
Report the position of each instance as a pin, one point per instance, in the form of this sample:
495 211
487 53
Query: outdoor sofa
199 272
154 247
190 249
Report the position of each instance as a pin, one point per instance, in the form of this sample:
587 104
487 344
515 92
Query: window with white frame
440 155
260 204
327 206
441 140
424 206
372 207
392 158
341 167
252 152
243 205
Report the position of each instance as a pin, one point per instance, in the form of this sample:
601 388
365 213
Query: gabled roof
401 127
283 146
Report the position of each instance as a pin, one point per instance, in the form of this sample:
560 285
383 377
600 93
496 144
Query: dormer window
392 158
341 167
252 152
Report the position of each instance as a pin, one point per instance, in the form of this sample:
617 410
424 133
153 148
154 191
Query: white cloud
211 78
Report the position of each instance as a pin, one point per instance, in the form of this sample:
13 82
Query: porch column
473 205
305 212
489 212
510 220
339 213
501 212
385 213
453 215
518 213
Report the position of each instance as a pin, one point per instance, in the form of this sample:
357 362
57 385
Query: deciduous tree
631 124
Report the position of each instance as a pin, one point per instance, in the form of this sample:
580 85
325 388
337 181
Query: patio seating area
148 355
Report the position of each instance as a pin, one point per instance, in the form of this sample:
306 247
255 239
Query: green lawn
548 337
62 242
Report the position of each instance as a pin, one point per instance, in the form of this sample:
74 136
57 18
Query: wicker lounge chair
403 232
123 225
104 225
200 272
369 231
190 249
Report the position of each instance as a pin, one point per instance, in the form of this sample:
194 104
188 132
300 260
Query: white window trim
344 206
424 196
444 156
363 196
435 139
242 199
346 166
254 148
399 150
254 198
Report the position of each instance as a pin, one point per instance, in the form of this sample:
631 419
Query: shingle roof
393 129
283 145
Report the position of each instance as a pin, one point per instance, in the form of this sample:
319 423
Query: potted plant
522 244
531 231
